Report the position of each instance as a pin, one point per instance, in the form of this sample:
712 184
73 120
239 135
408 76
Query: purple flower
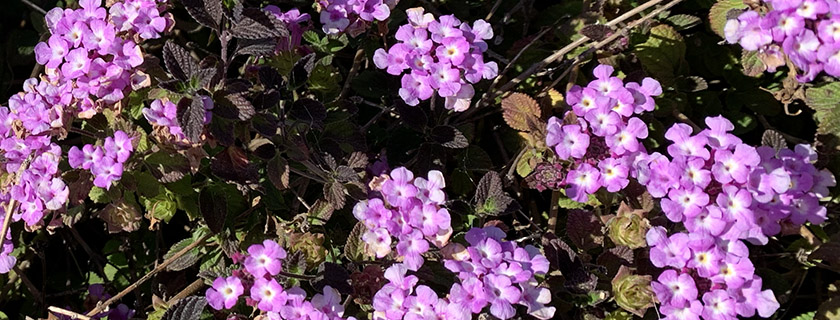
736 165
718 305
119 147
85 157
399 190
77 64
411 247
501 294
453 50
269 294
668 251
568 140
395 60
675 289
689 311
224 292
106 171
445 79
614 174
53 193
446 27
264 258
582 182
469 293
51 53
415 87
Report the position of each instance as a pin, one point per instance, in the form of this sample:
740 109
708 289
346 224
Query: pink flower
224 293
264 258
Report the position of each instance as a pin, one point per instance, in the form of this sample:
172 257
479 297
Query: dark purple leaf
188 308
258 24
205 12
584 229
302 69
596 32
449 137
191 114
178 61
310 111
213 207
256 47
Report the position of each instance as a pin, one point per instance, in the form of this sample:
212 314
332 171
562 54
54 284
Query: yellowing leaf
825 100
518 107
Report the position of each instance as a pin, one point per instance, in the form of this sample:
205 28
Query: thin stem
100 307
354 70
297 276
34 7
29 285
7 220
71 314
186 292
568 48
376 117
552 212
493 10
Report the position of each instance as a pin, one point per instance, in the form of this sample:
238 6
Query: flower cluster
443 56
353 16
104 162
724 192
293 20
262 263
164 114
808 31
91 58
498 273
409 209
600 135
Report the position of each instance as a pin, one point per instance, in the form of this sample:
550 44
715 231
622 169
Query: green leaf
99 195
663 54
825 100
185 261
806 316
751 64
354 249
683 21
160 207
719 13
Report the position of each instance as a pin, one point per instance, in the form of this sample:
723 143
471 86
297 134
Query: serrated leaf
278 172
774 139
719 13
258 24
335 193
825 100
212 204
805 316
205 12
518 108
233 103
584 229
178 61
188 308
357 160
265 124
489 198
523 167
449 137
751 63
256 47
691 84
354 248
663 53
301 70
160 207
683 21
321 212
597 32
191 115
185 261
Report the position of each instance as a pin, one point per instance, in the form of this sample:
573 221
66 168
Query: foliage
233 159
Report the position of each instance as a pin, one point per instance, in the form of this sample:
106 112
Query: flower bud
632 292
629 230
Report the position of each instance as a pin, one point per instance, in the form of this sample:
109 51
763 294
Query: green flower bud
633 292
629 229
